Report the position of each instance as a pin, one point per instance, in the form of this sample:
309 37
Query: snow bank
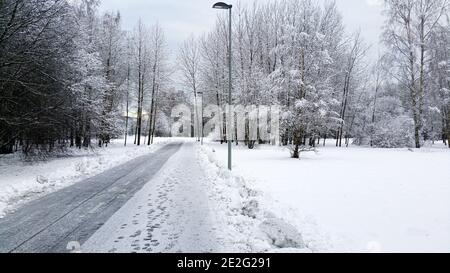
21 181
249 212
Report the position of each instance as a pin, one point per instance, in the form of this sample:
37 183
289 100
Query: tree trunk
151 117
72 138
128 104
87 132
6 144
421 94
152 135
416 127
140 109
296 153
448 127
374 110
126 129
141 77
135 134
448 139
298 139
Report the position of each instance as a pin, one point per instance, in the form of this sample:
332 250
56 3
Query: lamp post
221 5
202 114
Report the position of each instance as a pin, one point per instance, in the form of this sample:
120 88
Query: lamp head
222 5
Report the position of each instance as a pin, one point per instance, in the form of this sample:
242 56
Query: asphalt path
75 213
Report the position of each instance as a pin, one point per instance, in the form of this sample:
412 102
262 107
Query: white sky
181 18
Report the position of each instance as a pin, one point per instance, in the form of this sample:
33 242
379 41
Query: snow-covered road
76 212
171 214
25 179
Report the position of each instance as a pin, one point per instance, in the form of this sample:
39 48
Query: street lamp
221 5
202 113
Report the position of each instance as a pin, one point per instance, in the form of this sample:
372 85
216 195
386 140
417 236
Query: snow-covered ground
337 200
195 205
23 181
356 199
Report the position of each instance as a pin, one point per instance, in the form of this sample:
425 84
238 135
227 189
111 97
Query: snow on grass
195 205
356 199
248 211
22 181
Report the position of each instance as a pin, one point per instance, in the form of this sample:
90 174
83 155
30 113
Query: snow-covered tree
111 47
285 53
408 34
438 111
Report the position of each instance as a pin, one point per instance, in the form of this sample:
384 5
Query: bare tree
141 61
189 58
378 82
353 58
127 91
158 58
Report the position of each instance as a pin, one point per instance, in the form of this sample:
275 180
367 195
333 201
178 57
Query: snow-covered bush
162 125
394 133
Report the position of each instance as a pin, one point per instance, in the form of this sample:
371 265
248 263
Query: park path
75 213
172 213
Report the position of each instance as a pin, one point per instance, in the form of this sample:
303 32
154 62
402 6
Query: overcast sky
180 18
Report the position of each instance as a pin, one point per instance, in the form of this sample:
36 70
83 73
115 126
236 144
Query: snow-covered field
23 181
356 199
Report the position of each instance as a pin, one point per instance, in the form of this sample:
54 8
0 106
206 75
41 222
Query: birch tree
189 59
408 31
159 72
141 56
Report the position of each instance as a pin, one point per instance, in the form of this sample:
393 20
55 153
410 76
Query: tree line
298 55
70 77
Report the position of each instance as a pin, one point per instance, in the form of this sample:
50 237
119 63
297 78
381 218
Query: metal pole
230 134
202 124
